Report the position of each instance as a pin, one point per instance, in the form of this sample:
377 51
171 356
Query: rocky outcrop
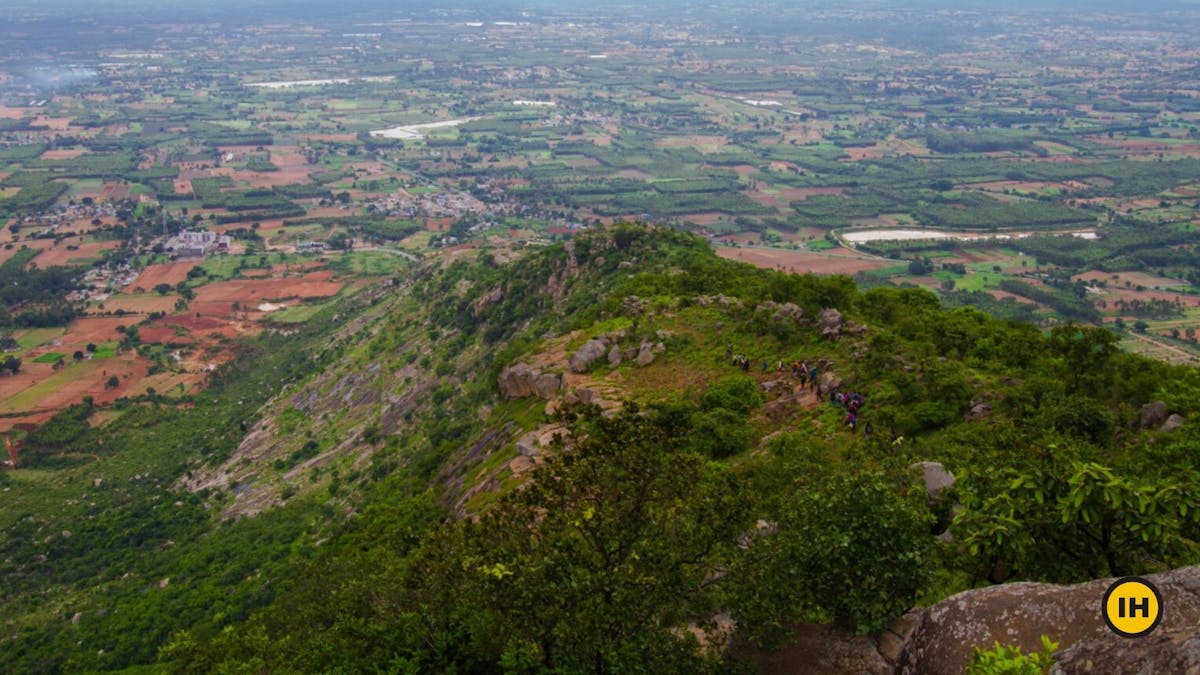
632 305
782 312
517 381
720 300
614 356
1020 613
485 301
646 354
935 478
775 387
979 412
522 381
1163 651
1154 415
1173 422
585 356
547 385
830 322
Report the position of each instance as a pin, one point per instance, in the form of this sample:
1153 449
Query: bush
737 394
1008 660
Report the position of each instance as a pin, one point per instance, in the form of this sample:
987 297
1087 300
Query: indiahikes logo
1132 607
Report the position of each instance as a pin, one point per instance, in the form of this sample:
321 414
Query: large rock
517 381
1154 415
781 312
1173 422
614 356
485 301
776 387
936 478
1163 651
979 412
546 385
589 353
830 322
645 354
1020 613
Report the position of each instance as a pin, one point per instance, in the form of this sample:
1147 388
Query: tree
78 355
1084 350
113 382
598 566
1067 520
12 364
162 289
854 550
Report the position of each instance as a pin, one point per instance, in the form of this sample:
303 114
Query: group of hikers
809 376
850 403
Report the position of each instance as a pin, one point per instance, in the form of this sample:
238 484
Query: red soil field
839 262
61 255
161 334
63 154
164 273
96 329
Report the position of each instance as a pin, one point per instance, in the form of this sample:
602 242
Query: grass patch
49 357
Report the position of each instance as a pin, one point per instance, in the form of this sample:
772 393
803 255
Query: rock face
645 355
781 312
830 322
1020 613
588 354
776 387
979 412
936 478
517 381
546 385
1173 422
614 356
1163 651
522 381
1154 415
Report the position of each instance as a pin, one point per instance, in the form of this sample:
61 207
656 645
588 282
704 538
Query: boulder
830 322
935 477
526 447
645 354
546 385
485 301
781 408
1163 651
1173 422
776 387
1154 415
632 305
829 381
588 354
979 412
586 396
517 381
1020 613
614 356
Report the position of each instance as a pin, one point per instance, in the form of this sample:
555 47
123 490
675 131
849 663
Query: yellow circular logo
1132 607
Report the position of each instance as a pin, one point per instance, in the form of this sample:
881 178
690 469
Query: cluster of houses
101 282
197 244
52 219
442 204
